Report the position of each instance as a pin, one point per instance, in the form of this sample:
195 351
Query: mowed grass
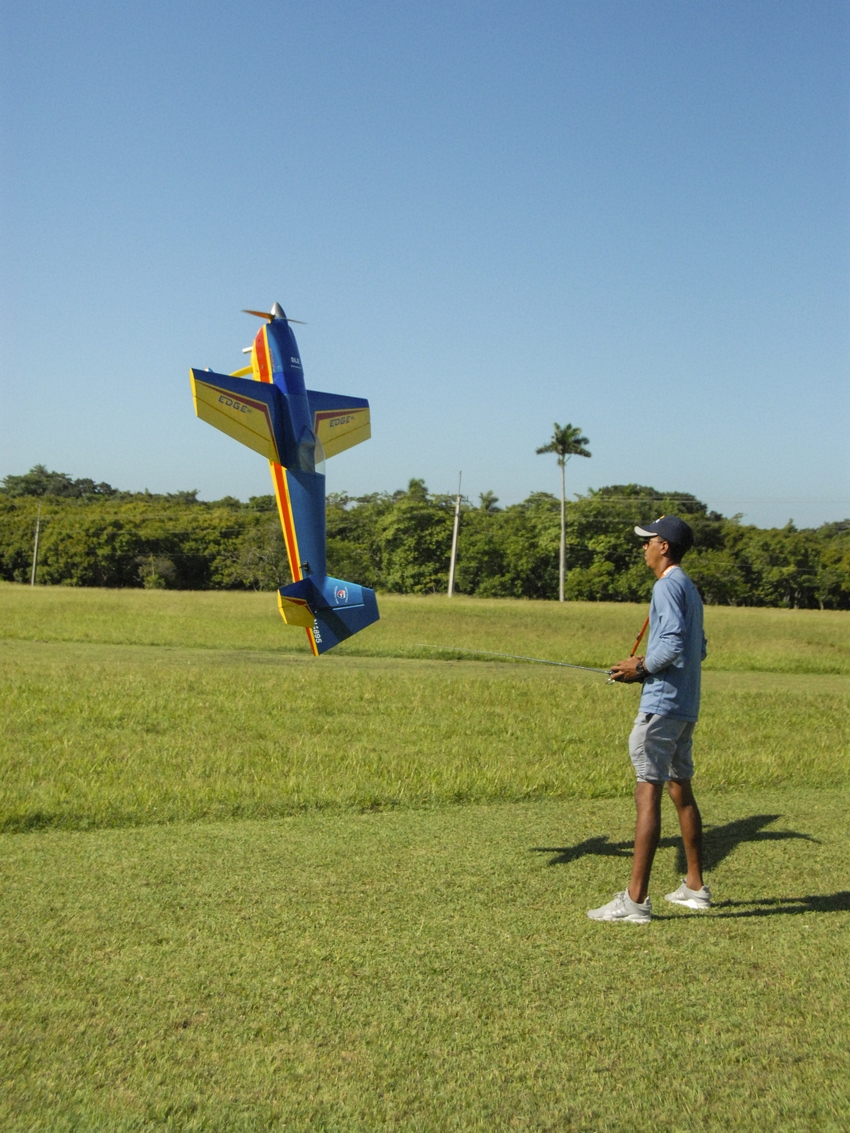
427 970
130 707
759 640
237 891
112 735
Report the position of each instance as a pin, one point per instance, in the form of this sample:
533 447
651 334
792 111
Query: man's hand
627 671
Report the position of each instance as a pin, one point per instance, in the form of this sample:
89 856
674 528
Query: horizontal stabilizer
246 410
295 611
339 422
337 609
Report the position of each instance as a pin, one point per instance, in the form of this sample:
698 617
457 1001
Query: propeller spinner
277 312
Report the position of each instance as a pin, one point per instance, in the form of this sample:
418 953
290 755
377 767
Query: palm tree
566 441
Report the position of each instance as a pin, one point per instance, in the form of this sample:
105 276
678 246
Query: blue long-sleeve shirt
676 648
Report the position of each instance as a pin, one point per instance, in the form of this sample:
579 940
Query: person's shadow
770 906
718 843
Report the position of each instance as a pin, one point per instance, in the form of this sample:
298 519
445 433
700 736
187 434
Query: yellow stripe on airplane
311 637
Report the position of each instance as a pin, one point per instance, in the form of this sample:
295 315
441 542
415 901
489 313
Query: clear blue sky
632 216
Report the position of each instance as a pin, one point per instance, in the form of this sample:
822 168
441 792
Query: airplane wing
246 410
339 422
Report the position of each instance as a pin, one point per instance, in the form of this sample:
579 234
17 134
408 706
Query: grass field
237 891
751 640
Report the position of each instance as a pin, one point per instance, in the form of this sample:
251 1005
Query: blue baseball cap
669 528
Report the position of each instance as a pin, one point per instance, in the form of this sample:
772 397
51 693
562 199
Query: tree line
91 534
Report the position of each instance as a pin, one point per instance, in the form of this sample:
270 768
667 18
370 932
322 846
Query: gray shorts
661 748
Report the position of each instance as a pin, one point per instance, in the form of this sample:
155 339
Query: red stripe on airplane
261 347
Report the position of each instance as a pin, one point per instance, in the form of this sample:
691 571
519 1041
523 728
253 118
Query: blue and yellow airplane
295 428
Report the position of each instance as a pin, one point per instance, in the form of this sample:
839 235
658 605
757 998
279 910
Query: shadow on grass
765 907
773 906
719 842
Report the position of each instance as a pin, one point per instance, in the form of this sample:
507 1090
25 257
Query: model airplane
295 429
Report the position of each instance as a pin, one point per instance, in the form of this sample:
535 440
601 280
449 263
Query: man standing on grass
661 742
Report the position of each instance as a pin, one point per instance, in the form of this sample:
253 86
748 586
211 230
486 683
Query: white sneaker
690 898
623 908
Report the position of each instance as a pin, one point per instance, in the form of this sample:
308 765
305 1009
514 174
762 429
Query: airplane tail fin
330 609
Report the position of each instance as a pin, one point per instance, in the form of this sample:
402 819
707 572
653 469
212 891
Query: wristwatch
642 674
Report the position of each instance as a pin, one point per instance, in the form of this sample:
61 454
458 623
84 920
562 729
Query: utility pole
562 572
453 562
35 545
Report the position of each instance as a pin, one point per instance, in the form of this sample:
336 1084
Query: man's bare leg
647 835
690 823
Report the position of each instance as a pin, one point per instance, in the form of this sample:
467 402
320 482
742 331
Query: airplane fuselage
276 358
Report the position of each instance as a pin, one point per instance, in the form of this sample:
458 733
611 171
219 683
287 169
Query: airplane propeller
277 312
